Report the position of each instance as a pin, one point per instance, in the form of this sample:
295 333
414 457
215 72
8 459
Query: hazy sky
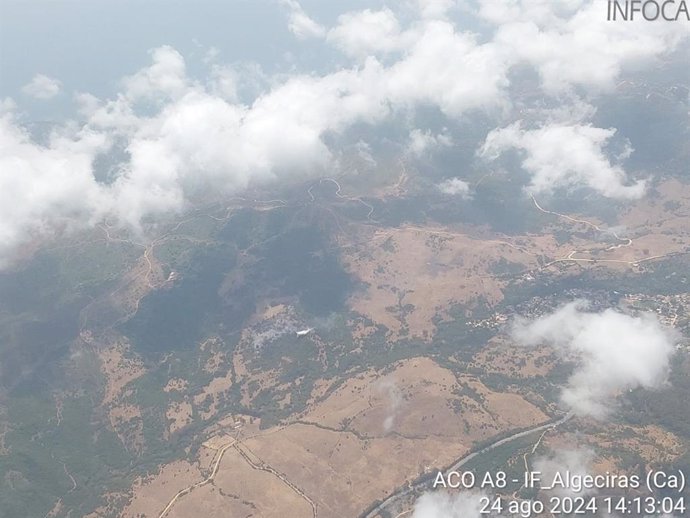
91 44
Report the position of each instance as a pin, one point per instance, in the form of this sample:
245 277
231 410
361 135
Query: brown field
371 435
379 430
504 357
419 398
342 473
152 495
119 369
657 226
241 491
414 273
382 428
176 385
654 444
179 415
216 387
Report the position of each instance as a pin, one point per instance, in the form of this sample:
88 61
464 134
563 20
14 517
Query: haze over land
164 136
283 258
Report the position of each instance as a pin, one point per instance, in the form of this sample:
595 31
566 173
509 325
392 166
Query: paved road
464 460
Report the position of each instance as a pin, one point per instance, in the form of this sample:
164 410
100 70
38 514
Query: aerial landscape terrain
316 290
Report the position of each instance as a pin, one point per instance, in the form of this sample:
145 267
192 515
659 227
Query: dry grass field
362 436
372 434
412 274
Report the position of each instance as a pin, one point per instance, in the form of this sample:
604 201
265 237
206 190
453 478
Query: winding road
262 466
337 193
207 480
624 241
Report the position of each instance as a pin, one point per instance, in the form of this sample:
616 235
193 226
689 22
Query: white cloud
300 24
165 78
422 142
209 133
570 42
7 106
442 504
224 82
365 154
192 139
434 8
199 140
439 65
614 352
42 87
45 188
564 156
448 69
366 33
455 187
211 54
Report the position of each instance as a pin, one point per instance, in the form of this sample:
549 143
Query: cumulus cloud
564 156
455 187
614 352
188 140
422 142
439 65
225 83
570 43
166 77
442 504
365 33
183 135
449 69
43 188
434 8
300 24
42 87
192 136
365 154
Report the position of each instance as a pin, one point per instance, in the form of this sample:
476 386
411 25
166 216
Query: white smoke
392 393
